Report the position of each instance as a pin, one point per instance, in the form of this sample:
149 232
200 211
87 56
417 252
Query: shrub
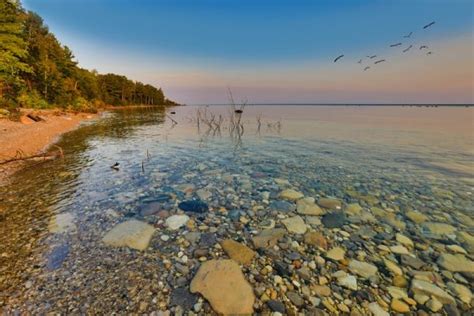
32 100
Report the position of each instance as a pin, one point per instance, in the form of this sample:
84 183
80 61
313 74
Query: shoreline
31 138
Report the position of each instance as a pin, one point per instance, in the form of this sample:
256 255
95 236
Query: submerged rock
175 222
268 238
363 269
57 256
282 206
295 225
237 251
456 263
194 206
222 283
316 239
329 203
420 287
336 254
307 206
61 223
134 234
182 297
334 220
291 195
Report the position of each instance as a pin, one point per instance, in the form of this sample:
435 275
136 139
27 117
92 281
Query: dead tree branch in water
20 156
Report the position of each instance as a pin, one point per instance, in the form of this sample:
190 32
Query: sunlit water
412 158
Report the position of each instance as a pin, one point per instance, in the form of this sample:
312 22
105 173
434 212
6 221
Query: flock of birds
398 44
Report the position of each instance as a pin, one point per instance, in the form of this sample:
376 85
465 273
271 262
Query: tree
13 49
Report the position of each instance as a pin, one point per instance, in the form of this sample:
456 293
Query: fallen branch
38 157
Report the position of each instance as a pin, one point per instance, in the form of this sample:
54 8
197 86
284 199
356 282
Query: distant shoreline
350 104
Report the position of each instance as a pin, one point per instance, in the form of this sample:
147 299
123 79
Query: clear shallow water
396 159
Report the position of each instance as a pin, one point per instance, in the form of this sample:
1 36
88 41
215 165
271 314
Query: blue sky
195 48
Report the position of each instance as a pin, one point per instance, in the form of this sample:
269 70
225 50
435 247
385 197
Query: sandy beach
29 137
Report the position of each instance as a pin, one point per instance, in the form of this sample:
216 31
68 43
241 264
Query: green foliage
37 71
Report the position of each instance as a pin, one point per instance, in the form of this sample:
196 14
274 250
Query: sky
275 51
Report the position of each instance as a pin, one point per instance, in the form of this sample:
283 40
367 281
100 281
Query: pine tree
13 48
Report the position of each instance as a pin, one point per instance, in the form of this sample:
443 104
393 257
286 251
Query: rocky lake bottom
263 223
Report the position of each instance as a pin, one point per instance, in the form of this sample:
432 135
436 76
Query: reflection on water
54 215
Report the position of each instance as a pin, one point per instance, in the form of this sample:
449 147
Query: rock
182 297
410 261
348 281
193 237
304 273
451 310
334 220
57 256
134 234
467 240
376 310
222 283
175 222
393 267
330 204
316 239
307 206
399 306
295 225
404 240
336 254
203 194
150 209
434 305
416 217
456 249
276 306
437 230
295 298
291 195
399 250
207 240
363 269
282 206
399 281
61 223
396 292
194 206
237 251
461 291
353 209
421 287
456 263
268 238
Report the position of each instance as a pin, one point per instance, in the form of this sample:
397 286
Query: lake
333 187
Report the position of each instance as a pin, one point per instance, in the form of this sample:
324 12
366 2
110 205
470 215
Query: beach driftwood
20 156
34 117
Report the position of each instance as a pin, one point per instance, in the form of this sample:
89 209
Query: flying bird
366 68
379 61
395 45
338 57
360 61
423 47
115 166
428 25
408 35
429 53
407 49
372 57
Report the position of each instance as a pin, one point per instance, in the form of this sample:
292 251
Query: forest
37 71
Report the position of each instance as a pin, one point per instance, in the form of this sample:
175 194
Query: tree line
36 71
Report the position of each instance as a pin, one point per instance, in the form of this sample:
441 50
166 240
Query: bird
338 57
428 25
379 61
407 49
372 57
408 35
115 166
423 46
367 68
360 61
429 53
395 45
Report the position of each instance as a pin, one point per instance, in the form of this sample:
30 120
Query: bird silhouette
115 166
423 47
366 68
408 35
428 25
338 57
429 53
379 61
407 49
360 61
395 45
372 57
